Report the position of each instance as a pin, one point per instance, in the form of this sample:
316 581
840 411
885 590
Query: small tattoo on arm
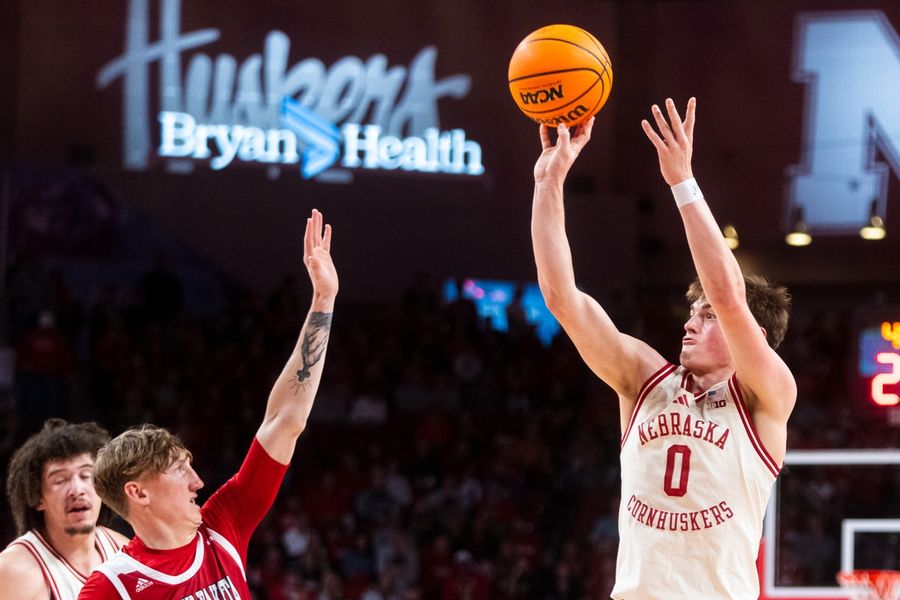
312 347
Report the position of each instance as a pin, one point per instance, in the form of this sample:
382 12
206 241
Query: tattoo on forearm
312 347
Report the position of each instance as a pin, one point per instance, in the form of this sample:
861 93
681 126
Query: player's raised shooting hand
555 161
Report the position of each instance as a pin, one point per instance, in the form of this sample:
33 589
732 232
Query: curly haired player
56 511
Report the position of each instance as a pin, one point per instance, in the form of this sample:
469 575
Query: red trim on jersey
48 577
110 539
751 428
62 559
653 381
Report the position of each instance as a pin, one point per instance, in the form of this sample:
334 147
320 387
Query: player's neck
79 550
700 382
161 536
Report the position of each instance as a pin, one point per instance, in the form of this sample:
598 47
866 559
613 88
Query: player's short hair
138 452
57 440
770 304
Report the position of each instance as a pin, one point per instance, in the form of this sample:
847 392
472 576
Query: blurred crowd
443 459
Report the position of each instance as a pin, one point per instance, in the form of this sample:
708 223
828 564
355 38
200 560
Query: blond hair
138 452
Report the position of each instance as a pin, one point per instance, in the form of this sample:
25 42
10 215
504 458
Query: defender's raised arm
293 393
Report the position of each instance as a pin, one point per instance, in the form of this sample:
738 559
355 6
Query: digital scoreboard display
878 356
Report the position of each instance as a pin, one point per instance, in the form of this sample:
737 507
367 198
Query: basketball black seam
599 47
594 110
606 63
600 74
566 42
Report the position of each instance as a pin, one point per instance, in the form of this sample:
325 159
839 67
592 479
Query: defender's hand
317 256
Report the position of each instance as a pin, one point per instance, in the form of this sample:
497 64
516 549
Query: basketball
560 74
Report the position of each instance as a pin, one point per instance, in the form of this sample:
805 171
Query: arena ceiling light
799 235
874 229
731 237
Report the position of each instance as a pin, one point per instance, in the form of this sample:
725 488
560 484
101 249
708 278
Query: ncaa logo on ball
543 96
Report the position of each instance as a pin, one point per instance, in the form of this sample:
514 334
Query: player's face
703 346
173 494
68 500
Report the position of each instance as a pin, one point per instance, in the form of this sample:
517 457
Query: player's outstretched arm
619 360
758 367
292 396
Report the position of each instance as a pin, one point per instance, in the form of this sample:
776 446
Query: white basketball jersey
63 581
695 483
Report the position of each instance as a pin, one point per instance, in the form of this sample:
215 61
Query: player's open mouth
78 509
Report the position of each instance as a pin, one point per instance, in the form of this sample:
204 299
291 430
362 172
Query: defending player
181 550
56 509
702 441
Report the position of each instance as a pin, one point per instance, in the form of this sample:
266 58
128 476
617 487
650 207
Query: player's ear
135 492
764 332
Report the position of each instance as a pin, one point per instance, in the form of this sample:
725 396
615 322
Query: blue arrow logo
320 137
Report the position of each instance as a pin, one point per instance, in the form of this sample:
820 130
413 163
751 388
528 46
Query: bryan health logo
261 111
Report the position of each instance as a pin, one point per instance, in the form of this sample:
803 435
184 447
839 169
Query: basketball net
871 584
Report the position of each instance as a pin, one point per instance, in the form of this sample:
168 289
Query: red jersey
211 566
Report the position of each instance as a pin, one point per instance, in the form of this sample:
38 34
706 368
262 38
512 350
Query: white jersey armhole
747 419
219 539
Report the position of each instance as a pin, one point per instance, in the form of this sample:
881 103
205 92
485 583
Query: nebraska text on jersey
675 423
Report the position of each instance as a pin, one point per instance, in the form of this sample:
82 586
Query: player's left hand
317 256
674 143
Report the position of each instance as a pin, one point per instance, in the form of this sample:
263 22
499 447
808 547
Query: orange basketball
560 74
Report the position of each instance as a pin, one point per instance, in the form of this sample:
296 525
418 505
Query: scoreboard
878 355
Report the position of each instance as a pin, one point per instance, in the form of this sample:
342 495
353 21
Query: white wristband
686 192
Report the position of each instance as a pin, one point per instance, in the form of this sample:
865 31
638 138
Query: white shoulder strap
110 573
219 539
